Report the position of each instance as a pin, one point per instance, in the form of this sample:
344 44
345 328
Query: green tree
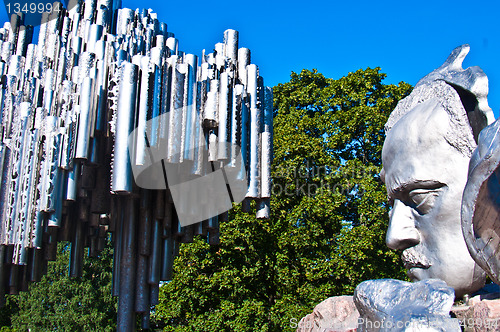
8 311
329 215
61 303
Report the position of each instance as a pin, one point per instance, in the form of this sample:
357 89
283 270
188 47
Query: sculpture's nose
402 232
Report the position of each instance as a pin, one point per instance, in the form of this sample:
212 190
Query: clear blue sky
407 39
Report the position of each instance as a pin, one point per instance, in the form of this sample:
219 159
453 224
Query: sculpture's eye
424 199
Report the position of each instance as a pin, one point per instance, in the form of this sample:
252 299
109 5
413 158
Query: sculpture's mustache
411 258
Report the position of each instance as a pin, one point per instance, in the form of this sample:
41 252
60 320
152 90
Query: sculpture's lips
411 259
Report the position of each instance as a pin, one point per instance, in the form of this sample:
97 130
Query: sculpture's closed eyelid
423 200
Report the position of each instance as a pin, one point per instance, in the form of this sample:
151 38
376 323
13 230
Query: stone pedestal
481 314
335 314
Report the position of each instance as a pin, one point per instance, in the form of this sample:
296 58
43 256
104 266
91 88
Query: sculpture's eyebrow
418 184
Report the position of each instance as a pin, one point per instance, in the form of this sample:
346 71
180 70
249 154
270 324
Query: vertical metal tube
154 120
14 279
167 260
231 46
243 62
224 110
254 142
245 133
122 172
142 303
212 145
101 90
3 267
173 45
76 255
263 208
84 119
38 263
179 72
95 34
24 38
100 200
145 224
199 138
142 291
192 117
124 20
72 183
128 269
154 261
145 107
117 218
236 124
210 111
220 59
267 143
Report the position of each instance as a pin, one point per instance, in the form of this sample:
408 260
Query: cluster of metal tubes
69 104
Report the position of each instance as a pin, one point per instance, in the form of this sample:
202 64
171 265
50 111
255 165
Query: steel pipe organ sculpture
83 109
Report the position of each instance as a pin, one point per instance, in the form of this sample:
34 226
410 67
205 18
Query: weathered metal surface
481 203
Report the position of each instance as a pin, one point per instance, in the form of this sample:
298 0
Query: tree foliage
61 303
329 215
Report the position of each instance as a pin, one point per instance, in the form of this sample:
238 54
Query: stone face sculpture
431 136
395 305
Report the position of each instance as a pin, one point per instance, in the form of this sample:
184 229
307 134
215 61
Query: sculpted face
425 176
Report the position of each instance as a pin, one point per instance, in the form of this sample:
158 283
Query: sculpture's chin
461 285
417 274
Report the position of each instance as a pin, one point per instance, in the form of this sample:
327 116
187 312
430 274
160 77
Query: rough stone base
339 314
335 314
480 315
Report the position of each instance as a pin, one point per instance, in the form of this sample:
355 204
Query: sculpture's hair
462 93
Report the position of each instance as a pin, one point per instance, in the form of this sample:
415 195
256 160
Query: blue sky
406 39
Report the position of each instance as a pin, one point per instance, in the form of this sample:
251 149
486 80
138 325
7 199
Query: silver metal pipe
121 170
220 58
244 58
263 208
173 45
24 38
192 116
267 144
155 257
179 72
153 128
128 269
95 34
231 46
142 302
125 18
61 67
212 145
145 105
254 139
72 183
89 10
85 119
210 110
224 112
